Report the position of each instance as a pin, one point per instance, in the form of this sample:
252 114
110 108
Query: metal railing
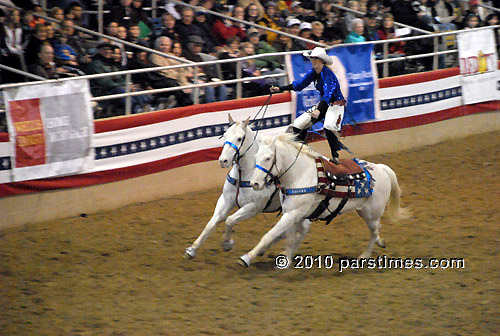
239 79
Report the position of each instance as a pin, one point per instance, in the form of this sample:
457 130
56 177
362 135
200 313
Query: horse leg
220 213
374 226
286 222
295 235
247 211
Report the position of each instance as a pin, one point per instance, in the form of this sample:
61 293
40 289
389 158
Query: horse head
236 142
265 163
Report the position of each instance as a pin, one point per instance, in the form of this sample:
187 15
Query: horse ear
231 121
246 122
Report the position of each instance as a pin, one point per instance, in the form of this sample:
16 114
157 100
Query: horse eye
239 139
267 159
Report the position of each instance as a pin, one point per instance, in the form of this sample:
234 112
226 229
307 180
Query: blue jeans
138 102
210 92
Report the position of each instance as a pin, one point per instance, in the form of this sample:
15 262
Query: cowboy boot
334 144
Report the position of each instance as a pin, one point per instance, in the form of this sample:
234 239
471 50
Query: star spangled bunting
362 188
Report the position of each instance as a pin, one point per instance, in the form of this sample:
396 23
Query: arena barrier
154 155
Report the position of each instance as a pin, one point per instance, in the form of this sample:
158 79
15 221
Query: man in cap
328 86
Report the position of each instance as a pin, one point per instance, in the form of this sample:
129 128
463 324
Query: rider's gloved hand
274 89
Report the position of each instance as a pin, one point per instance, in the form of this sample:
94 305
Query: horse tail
394 211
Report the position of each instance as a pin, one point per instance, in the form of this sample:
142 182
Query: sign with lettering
478 65
50 127
355 69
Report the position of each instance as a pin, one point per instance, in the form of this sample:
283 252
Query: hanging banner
478 65
50 129
355 69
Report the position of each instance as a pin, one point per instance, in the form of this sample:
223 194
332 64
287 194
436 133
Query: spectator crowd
55 49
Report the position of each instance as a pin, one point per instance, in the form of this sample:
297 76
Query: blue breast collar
233 181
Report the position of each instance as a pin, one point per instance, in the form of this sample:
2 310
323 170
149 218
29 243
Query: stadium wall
155 155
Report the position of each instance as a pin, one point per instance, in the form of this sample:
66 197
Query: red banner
30 136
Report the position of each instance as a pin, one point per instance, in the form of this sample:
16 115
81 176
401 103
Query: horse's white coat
251 202
282 151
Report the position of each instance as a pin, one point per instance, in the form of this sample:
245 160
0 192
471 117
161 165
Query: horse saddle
344 170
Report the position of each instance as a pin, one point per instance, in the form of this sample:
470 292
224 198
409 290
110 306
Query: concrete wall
66 203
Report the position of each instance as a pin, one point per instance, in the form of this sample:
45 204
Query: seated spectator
396 49
112 29
76 13
206 28
267 65
58 14
253 12
45 66
142 17
11 39
477 10
65 56
249 69
168 27
103 62
78 42
371 28
185 27
349 16
124 14
171 76
293 28
317 31
472 21
35 43
299 11
270 19
225 29
357 30
209 72
305 32
443 14
231 50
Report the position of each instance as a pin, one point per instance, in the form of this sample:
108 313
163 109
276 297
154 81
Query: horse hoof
381 243
244 260
227 245
190 253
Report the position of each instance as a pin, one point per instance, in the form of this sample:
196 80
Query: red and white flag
50 129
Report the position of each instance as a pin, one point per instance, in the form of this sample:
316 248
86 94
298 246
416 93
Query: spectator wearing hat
271 19
206 28
224 29
268 65
285 43
209 73
305 32
103 62
357 31
298 11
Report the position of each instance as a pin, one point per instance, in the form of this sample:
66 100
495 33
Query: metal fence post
128 99
385 71
100 16
239 87
196 91
435 58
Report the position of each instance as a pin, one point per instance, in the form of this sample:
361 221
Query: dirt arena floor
124 272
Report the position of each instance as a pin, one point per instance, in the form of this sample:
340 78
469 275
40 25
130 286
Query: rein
238 183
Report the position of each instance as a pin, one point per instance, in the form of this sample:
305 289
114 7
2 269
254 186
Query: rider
328 86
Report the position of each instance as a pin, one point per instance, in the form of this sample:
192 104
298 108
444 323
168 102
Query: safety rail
239 79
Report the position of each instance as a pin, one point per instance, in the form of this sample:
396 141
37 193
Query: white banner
478 65
50 127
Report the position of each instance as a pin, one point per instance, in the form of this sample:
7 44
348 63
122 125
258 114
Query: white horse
293 164
240 147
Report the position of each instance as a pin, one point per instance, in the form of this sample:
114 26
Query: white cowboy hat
320 53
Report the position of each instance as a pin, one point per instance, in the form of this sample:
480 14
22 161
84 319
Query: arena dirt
123 272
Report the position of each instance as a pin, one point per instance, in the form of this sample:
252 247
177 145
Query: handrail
396 23
112 38
248 23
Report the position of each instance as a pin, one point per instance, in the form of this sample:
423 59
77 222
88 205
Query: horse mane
289 139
